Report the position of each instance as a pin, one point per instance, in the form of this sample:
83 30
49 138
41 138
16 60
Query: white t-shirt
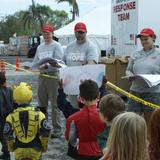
78 54
51 50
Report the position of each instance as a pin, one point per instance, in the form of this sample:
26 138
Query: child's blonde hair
128 138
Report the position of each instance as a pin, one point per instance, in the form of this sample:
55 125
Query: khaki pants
47 91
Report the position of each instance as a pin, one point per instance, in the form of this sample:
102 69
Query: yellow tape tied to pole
29 71
131 96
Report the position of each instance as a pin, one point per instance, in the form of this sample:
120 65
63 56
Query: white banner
72 76
124 26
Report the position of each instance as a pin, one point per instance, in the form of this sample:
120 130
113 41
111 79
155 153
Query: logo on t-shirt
45 54
76 57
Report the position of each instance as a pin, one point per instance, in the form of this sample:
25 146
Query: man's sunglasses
80 32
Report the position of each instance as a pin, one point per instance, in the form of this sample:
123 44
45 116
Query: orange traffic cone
2 66
17 64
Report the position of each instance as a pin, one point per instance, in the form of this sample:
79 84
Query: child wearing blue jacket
6 107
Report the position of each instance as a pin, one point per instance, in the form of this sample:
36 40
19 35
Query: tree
75 8
15 23
10 25
35 16
58 19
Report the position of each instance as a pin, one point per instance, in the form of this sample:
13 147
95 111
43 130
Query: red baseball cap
47 28
146 32
80 27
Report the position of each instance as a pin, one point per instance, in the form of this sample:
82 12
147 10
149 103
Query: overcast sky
11 6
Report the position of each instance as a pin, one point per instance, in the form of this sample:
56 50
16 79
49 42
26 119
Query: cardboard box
115 69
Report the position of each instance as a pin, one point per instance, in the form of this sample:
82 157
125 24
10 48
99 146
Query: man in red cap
48 85
145 61
80 52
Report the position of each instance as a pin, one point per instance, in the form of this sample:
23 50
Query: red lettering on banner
124 7
123 16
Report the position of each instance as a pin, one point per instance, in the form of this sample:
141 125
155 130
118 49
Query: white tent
98 24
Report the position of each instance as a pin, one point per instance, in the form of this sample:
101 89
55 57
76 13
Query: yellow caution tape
131 96
111 85
33 72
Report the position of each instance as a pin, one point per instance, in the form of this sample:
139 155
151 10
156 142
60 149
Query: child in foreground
26 129
109 107
127 138
87 123
6 107
67 109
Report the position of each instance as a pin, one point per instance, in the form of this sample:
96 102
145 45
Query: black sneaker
5 156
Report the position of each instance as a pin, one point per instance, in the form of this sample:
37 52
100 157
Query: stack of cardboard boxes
23 45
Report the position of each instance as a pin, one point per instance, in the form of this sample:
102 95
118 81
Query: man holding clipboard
48 85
